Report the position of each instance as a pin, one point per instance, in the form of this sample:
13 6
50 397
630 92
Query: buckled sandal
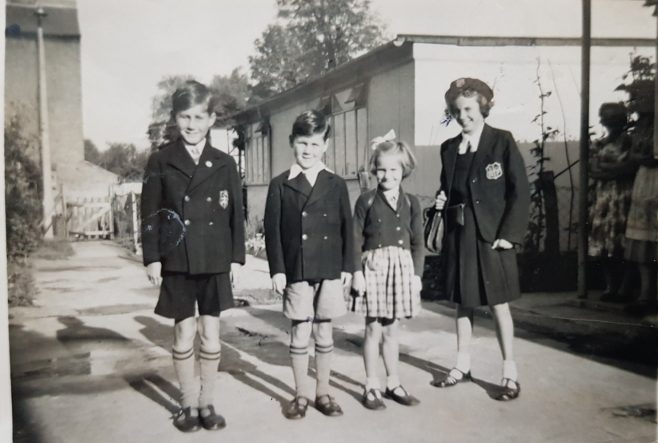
296 409
185 421
328 406
212 421
509 390
405 399
372 399
452 378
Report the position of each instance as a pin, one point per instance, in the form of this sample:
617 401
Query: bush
23 211
20 283
22 195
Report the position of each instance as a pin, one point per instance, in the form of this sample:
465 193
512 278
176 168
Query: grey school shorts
308 301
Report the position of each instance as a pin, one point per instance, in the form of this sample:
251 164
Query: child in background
388 239
308 237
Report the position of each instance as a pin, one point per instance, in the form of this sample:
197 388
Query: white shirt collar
195 150
311 173
473 137
392 193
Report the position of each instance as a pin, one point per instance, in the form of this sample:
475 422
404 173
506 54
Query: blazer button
400 242
325 237
304 236
210 223
208 199
324 215
304 213
186 198
379 245
187 222
474 180
398 228
477 202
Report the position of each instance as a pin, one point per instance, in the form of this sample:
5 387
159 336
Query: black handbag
433 230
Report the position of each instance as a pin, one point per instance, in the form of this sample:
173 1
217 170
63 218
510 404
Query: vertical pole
110 214
6 427
584 150
44 131
133 210
655 114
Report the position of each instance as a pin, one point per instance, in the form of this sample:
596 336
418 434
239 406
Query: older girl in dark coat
485 194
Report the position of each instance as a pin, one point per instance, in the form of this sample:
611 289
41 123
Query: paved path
91 363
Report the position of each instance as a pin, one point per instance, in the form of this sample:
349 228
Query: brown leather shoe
296 409
328 406
212 421
400 395
185 421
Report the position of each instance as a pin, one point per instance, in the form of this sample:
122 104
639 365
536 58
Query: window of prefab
347 149
257 153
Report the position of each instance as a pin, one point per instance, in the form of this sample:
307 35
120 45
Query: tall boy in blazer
193 242
309 243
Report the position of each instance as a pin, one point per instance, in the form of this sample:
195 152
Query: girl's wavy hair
393 147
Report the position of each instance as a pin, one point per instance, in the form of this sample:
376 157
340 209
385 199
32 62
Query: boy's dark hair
309 123
192 93
613 115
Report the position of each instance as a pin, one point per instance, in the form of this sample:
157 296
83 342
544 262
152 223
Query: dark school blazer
192 215
498 184
309 237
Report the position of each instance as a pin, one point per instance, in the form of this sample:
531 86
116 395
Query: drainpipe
44 131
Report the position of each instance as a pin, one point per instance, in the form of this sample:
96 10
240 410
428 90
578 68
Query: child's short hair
309 123
192 93
613 115
392 147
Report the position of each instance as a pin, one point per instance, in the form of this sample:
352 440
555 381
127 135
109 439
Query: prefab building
400 86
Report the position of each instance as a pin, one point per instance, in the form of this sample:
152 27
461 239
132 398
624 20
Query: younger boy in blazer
193 242
309 242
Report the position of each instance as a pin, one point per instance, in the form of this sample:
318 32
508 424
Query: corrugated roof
59 21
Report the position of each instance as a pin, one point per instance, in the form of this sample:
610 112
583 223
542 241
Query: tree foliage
310 37
22 191
121 158
92 154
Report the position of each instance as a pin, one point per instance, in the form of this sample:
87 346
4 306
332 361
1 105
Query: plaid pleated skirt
389 294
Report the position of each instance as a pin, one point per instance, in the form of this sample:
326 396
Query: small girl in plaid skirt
389 245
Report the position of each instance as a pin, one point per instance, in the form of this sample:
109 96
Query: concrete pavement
91 363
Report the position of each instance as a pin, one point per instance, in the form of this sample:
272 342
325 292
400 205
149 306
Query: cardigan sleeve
514 222
360 213
272 225
417 242
150 204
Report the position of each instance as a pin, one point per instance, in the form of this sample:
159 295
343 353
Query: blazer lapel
484 147
323 184
294 185
181 160
208 164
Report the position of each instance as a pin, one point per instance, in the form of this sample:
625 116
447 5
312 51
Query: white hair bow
388 137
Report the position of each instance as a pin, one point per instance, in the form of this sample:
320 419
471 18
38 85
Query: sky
127 46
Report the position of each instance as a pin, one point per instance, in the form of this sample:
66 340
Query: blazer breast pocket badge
494 171
223 198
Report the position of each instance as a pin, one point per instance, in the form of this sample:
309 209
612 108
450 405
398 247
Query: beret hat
466 83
